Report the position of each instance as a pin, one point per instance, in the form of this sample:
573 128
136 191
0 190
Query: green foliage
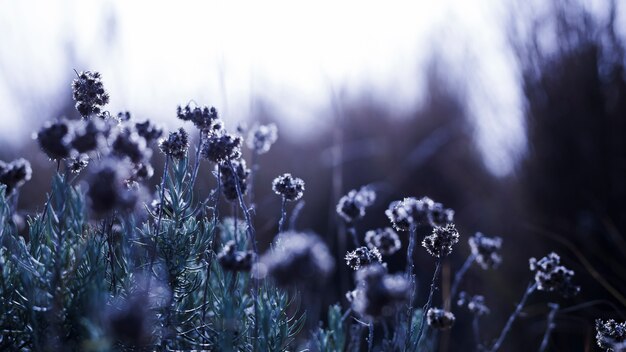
332 339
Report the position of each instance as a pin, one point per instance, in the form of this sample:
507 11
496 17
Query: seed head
362 257
440 216
289 187
233 260
176 144
132 145
106 189
440 319
261 138
220 146
124 116
202 117
440 242
54 139
552 277
89 94
351 207
385 240
610 333
475 304
14 174
88 136
378 294
486 249
78 164
149 131
229 181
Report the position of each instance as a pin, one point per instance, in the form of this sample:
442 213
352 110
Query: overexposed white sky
289 53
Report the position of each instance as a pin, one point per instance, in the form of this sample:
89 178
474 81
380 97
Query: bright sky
289 53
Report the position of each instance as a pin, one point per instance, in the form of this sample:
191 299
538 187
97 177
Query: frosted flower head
363 256
609 333
54 139
298 259
351 207
409 211
550 276
220 146
379 294
88 136
202 117
176 144
289 187
440 319
486 250
131 145
475 304
149 131
229 181
440 242
141 171
14 174
78 164
261 137
106 189
385 240
233 260
440 216
89 94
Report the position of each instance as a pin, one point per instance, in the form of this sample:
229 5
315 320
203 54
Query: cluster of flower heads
89 94
550 276
230 181
385 240
486 250
610 334
220 146
299 259
362 257
440 242
418 212
440 319
233 260
475 304
14 174
289 187
351 207
261 138
202 117
176 144
378 294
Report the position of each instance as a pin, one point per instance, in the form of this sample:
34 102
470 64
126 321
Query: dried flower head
106 190
88 136
379 294
440 319
149 131
89 94
409 211
486 249
385 240
220 146
475 304
550 276
131 145
233 260
78 164
230 180
610 333
440 216
124 116
176 144
351 207
202 117
261 138
14 174
141 171
363 256
54 139
298 259
440 242
289 187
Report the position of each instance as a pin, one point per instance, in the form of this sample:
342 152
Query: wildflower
220 146
298 259
485 249
440 319
475 304
230 181
289 187
106 191
363 256
148 131
89 94
409 211
54 139
233 260
261 138
14 174
385 240
440 216
440 242
124 116
202 117
176 144
352 206
550 276
87 136
132 145
142 171
78 163
609 333
379 294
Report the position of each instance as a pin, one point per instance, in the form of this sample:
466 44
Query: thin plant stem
370 337
294 215
411 278
158 223
235 220
283 214
355 239
458 277
476 330
554 307
428 302
531 288
253 171
213 229
196 165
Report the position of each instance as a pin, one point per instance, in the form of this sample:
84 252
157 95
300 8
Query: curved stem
352 232
509 323
549 326
245 210
458 277
428 302
283 214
